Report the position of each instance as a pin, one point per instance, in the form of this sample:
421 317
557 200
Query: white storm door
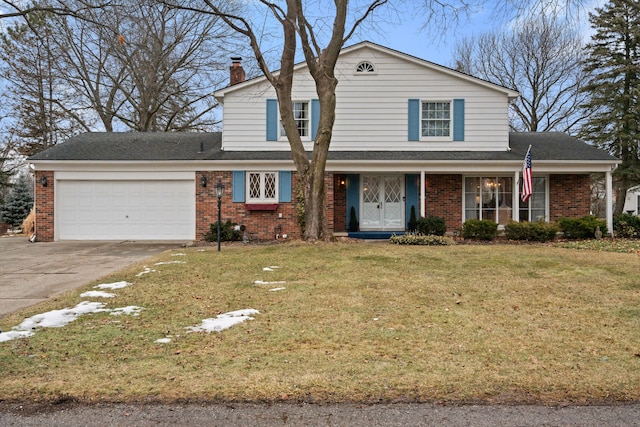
371 203
382 204
392 208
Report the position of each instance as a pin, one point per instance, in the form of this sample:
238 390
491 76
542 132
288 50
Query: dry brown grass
356 322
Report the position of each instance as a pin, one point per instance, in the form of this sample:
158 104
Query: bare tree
541 59
126 66
443 16
28 63
343 18
19 9
145 66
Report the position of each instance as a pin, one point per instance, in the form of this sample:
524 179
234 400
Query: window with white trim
436 118
535 209
488 198
262 187
302 116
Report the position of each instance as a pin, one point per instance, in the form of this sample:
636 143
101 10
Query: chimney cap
236 58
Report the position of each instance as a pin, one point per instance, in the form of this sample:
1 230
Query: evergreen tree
18 203
614 89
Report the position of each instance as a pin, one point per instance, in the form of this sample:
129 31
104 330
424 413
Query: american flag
526 177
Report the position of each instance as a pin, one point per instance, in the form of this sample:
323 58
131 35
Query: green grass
356 322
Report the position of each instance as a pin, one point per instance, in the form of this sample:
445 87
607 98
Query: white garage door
125 210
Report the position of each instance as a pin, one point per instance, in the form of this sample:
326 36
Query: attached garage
124 186
111 209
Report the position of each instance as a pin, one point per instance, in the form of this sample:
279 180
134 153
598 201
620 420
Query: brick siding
339 213
443 198
569 196
44 200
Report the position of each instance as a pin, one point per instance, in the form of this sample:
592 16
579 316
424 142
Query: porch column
515 214
609 202
422 195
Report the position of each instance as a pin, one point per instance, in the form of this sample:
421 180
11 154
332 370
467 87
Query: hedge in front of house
627 226
582 228
538 231
228 232
479 229
421 239
431 225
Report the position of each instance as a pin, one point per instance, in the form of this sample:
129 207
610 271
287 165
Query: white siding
372 110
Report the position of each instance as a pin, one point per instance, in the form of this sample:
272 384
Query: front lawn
345 322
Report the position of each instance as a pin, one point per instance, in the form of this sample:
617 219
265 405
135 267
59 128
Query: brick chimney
236 72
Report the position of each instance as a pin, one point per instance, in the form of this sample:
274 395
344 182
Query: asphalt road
284 414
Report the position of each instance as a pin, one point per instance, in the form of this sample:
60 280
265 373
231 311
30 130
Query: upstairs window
436 119
262 187
302 116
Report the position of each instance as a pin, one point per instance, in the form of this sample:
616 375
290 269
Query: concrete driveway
33 272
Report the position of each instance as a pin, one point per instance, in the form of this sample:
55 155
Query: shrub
582 228
626 225
431 225
479 229
421 239
228 232
413 221
18 203
353 220
538 231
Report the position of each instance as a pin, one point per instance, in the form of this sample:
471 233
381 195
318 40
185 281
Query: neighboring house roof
511 94
176 146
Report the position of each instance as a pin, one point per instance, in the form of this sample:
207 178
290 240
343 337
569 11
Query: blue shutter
411 196
272 119
353 196
284 187
315 117
414 120
238 186
458 119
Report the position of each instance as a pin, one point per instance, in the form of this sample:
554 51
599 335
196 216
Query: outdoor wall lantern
203 180
219 191
43 180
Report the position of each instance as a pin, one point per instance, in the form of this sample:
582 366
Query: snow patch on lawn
97 294
60 318
224 321
115 285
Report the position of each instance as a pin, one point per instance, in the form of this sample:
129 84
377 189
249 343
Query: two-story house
409 134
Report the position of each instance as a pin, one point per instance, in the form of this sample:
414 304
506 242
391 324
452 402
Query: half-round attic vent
365 67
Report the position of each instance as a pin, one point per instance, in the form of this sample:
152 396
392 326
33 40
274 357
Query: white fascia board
111 166
342 166
121 175
464 168
160 167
